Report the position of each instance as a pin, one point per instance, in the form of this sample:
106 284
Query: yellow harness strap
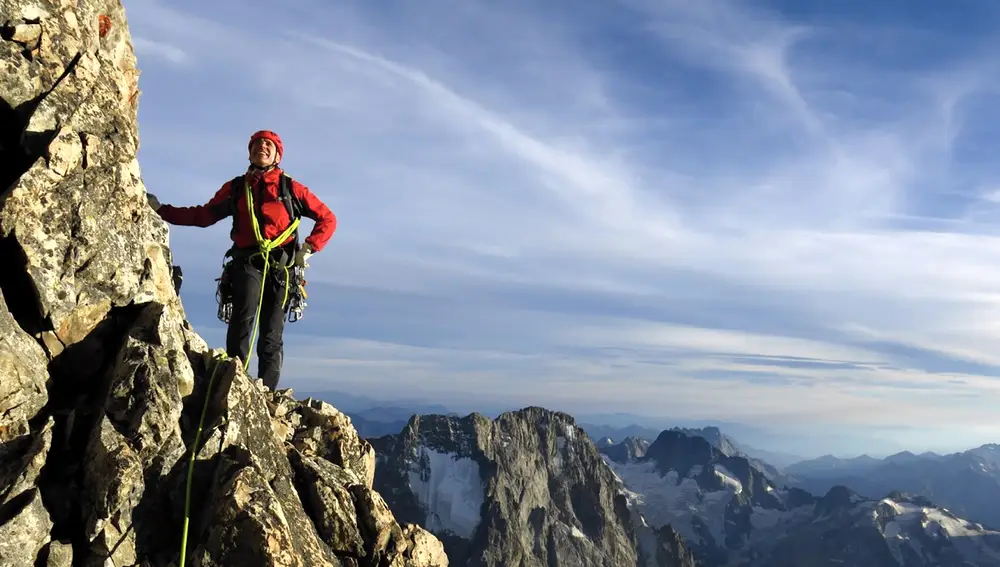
265 247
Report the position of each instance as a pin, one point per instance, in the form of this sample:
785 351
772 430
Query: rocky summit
629 449
730 514
528 488
103 383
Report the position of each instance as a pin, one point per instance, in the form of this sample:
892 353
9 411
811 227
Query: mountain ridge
728 512
966 482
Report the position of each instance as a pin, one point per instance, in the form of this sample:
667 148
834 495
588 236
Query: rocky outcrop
102 380
528 488
629 449
727 446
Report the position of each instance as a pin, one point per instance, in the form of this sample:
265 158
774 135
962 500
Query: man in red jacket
262 179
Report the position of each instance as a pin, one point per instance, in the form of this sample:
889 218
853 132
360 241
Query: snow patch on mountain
570 431
728 479
935 524
668 499
450 490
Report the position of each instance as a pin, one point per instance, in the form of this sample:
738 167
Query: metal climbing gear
224 290
297 299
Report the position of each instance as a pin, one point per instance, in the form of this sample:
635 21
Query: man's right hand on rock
153 201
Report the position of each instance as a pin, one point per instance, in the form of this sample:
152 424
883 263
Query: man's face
263 152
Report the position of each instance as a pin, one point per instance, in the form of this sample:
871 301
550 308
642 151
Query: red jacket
272 214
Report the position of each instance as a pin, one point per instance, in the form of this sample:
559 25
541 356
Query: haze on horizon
776 213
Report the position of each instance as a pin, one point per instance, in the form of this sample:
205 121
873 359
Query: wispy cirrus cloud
147 47
684 209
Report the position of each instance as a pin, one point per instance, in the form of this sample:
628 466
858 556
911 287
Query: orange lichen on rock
104 25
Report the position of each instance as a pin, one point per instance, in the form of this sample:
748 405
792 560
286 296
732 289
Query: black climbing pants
245 277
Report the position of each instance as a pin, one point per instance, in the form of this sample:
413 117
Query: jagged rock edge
22 156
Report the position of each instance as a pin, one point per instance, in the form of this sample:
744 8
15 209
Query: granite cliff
528 488
103 381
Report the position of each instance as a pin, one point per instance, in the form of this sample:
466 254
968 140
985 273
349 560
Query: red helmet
267 135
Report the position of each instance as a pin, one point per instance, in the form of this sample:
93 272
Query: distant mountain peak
470 480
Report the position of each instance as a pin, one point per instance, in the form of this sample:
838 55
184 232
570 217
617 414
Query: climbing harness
264 250
295 299
295 302
194 451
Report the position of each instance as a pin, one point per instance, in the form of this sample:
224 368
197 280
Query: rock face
629 449
729 513
727 446
102 380
528 488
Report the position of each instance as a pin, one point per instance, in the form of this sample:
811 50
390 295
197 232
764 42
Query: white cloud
691 339
166 51
816 396
549 169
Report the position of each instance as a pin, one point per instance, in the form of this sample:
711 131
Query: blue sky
774 213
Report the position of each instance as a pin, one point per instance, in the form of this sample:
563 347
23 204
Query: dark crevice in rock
552 551
194 404
18 288
122 539
208 481
117 410
536 519
8 31
43 557
588 510
301 480
15 456
14 506
79 383
20 149
83 144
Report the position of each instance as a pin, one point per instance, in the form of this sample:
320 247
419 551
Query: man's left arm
313 208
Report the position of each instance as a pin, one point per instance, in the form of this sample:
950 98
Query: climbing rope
194 452
265 247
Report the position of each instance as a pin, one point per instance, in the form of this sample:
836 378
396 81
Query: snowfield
911 520
450 489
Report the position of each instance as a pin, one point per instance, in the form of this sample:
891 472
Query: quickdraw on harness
295 302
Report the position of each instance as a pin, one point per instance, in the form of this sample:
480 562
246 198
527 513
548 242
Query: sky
775 213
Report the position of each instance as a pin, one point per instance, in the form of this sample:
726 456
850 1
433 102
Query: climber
263 183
